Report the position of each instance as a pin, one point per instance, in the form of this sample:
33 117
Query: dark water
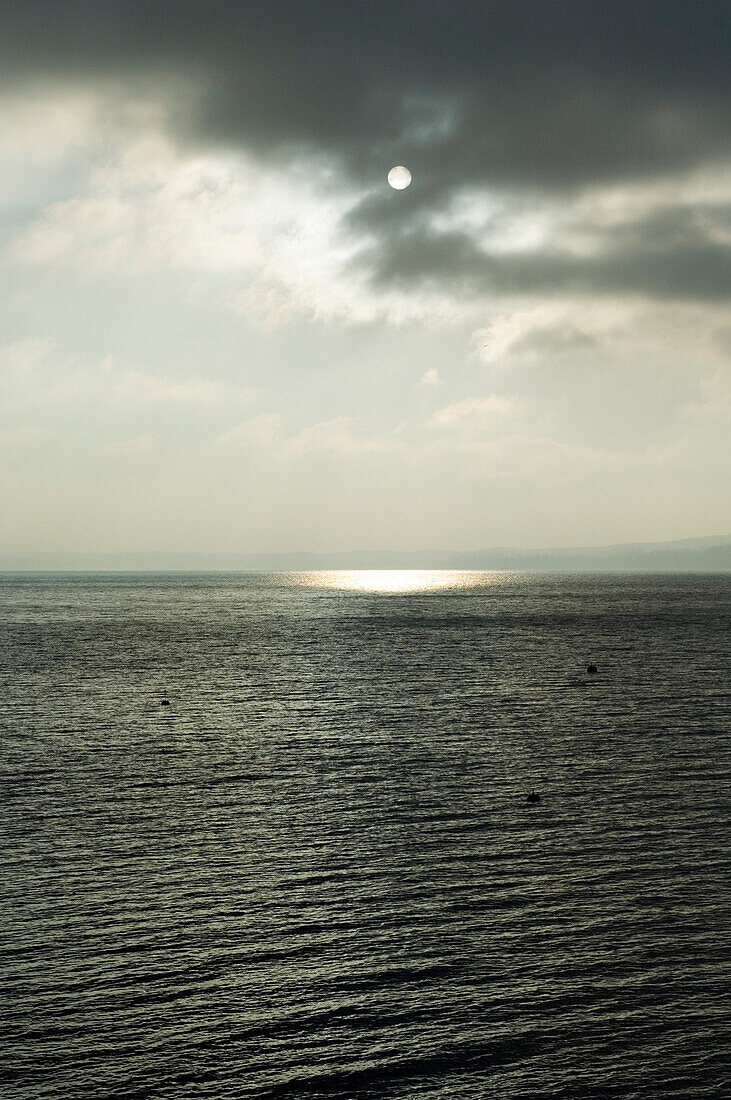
315 874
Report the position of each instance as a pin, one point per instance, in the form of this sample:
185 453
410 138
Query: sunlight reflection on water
398 580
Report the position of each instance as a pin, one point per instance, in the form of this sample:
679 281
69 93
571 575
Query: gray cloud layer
681 263
537 92
528 96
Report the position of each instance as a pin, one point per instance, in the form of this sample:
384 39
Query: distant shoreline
710 554
285 572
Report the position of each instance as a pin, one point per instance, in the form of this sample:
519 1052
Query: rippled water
315 873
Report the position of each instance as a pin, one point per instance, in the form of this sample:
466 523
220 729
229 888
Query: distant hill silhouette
701 555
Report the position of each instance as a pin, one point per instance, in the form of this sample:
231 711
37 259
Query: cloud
606 330
488 91
260 430
520 103
25 355
37 374
475 412
43 134
266 432
198 191
671 254
132 447
135 386
265 241
430 378
338 435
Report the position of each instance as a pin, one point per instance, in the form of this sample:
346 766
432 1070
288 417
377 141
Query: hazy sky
223 330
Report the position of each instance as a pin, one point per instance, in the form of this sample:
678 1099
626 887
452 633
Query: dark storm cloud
532 94
671 253
555 92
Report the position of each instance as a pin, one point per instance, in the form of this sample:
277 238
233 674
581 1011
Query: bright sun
399 177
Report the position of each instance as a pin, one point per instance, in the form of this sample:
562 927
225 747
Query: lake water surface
315 874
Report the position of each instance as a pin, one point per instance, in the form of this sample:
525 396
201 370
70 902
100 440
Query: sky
221 330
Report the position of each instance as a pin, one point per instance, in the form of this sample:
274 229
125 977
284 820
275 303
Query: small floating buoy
591 669
533 798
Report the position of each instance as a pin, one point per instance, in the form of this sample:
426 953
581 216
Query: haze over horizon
222 331
701 555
